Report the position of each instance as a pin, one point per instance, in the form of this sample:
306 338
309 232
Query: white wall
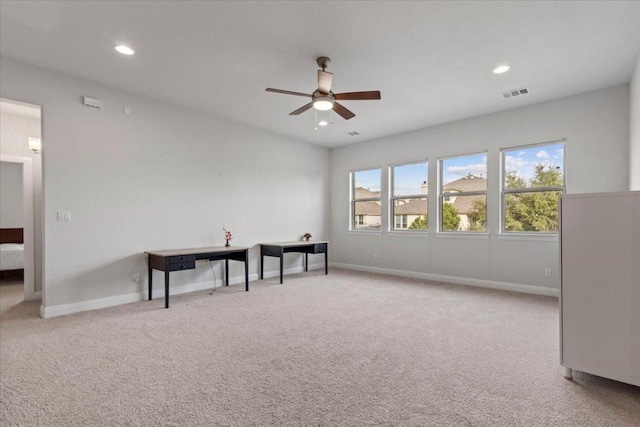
164 177
634 130
11 206
14 133
596 127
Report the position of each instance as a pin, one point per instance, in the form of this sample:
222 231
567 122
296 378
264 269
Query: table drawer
181 258
320 248
187 265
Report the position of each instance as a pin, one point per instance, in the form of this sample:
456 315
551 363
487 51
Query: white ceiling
432 61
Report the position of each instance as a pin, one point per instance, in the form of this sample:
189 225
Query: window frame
354 200
442 195
393 198
505 191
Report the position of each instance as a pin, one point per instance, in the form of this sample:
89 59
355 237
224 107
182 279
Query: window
532 182
409 196
401 221
463 193
365 199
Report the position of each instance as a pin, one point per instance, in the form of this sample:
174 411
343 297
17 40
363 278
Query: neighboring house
367 212
408 211
464 204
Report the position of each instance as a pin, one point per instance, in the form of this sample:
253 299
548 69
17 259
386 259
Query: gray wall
596 126
634 131
11 204
164 177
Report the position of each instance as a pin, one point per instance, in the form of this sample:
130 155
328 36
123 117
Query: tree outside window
532 182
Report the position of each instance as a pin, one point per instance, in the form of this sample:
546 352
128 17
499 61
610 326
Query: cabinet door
600 280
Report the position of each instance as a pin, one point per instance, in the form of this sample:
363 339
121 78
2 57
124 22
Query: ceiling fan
323 99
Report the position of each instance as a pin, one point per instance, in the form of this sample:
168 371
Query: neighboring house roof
412 207
464 203
467 183
365 193
368 208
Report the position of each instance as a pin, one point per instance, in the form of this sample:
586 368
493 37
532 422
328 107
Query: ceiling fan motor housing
323 62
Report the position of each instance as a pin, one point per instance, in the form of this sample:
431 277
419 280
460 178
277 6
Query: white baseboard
515 287
76 307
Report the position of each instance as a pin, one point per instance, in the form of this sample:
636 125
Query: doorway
21 220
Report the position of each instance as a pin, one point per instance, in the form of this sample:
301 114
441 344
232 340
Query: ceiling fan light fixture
323 103
323 118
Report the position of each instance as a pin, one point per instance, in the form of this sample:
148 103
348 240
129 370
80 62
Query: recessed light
125 50
501 69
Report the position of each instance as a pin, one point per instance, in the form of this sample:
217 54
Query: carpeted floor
348 349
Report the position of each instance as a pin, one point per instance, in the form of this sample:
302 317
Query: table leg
281 264
306 262
166 289
226 272
326 261
261 264
246 270
150 279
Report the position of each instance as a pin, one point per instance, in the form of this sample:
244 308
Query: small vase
227 243
306 239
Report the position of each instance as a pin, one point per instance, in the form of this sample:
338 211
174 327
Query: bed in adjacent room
11 253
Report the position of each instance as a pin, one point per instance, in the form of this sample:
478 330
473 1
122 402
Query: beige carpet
344 349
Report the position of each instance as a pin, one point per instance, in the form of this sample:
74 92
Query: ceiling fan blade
287 92
343 111
324 81
301 109
357 96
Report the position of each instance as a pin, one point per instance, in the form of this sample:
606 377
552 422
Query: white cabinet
600 291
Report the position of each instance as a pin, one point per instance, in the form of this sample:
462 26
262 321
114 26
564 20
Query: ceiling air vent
353 133
515 92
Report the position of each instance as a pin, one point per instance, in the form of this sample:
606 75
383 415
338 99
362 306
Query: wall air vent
515 92
91 102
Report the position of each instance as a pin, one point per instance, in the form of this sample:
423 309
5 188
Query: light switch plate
64 216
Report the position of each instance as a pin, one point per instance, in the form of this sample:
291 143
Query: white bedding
11 256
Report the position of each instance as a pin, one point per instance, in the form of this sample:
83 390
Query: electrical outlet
547 272
136 277
64 216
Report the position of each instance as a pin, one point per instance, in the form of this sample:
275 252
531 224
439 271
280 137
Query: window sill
365 232
461 235
552 237
397 233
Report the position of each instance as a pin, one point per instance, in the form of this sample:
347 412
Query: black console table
185 259
280 248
